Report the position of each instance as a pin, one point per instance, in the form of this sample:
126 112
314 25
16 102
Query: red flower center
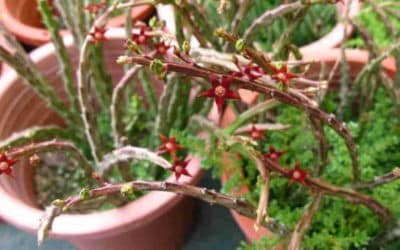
98 35
281 76
169 146
4 165
161 50
179 169
142 39
255 134
274 157
220 91
296 174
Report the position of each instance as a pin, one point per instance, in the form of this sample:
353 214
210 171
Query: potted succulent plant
33 188
24 20
115 137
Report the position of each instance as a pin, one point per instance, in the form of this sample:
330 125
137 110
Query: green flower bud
239 45
157 67
153 22
219 32
281 86
123 59
186 47
132 46
84 194
126 191
59 203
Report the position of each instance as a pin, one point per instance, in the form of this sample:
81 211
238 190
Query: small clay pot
23 20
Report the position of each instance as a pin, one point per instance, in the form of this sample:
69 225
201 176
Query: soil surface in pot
57 176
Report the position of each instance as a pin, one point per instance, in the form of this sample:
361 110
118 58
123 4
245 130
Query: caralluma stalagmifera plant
200 66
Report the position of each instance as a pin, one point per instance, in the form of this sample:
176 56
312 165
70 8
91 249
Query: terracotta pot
158 220
3 44
356 60
336 36
24 21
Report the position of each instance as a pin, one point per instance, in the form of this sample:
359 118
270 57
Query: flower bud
132 46
34 160
239 45
186 47
153 22
158 67
123 59
59 203
84 194
126 191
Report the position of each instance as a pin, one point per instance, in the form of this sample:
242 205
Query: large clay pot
337 35
24 21
356 60
157 220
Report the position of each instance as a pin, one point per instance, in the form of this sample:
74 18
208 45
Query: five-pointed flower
256 134
98 34
6 164
95 7
162 48
141 37
273 155
179 168
282 75
169 145
298 174
220 90
253 72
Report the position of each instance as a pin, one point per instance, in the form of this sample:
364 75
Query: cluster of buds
98 34
95 8
169 145
6 164
142 38
250 70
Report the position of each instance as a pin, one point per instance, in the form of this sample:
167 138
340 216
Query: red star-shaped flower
98 34
6 164
298 174
273 155
179 168
256 134
141 37
169 145
162 48
220 90
282 75
253 72
95 7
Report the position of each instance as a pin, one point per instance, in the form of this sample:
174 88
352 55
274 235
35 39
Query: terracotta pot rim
107 223
356 56
335 37
38 36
